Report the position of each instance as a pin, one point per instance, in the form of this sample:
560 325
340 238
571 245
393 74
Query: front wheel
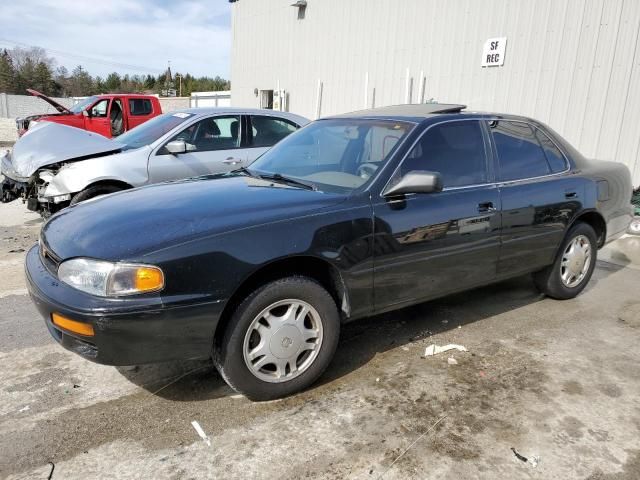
574 264
279 340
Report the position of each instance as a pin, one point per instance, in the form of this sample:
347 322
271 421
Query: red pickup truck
109 115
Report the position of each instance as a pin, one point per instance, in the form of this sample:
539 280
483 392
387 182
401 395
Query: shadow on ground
360 341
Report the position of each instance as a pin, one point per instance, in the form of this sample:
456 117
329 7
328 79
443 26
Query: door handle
486 207
570 195
232 161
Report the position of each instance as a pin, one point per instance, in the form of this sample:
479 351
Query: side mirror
86 113
416 181
176 147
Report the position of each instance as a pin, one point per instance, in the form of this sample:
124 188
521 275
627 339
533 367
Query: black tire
94 191
549 280
228 350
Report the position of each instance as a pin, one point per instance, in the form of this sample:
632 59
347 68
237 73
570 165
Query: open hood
50 101
48 143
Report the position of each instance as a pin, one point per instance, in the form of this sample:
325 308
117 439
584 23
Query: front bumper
128 331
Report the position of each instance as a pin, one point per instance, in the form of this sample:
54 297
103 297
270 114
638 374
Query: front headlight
108 279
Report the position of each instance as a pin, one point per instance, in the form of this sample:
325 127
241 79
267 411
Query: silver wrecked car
53 166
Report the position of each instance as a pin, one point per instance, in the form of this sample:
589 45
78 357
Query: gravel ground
556 381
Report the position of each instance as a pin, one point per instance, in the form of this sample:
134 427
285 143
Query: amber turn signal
148 279
81 328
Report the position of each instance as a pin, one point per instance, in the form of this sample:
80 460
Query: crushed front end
30 189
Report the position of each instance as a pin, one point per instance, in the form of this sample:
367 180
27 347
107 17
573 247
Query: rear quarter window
140 106
555 158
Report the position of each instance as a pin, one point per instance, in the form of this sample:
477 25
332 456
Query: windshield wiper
243 170
291 181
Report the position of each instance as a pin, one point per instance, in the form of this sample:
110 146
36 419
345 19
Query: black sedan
350 216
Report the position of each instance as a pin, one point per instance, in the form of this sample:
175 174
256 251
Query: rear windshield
151 130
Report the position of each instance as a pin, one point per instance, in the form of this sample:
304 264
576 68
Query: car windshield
151 130
339 155
82 104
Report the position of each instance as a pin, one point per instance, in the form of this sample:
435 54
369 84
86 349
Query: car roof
246 111
109 95
414 112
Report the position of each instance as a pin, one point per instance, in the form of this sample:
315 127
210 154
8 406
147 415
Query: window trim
488 154
533 126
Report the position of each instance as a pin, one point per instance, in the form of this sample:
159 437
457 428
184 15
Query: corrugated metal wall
574 64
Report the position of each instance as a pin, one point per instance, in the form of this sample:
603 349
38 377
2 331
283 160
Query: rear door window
456 150
267 131
140 106
520 156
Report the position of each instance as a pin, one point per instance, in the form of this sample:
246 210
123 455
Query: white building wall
574 64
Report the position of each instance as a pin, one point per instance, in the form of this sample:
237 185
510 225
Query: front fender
127 167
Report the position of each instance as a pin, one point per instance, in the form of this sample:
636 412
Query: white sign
493 52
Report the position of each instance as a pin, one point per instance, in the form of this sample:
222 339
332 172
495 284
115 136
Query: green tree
62 81
113 82
81 83
7 73
149 82
42 79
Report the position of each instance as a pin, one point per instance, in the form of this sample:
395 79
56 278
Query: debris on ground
434 349
201 433
533 460
452 361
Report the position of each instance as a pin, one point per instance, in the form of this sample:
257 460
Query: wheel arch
313 267
595 220
111 182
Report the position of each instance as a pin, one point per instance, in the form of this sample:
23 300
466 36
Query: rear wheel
94 191
574 264
279 340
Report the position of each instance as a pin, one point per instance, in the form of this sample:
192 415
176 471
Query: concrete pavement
557 381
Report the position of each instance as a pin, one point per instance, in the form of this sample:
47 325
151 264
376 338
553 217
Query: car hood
131 224
50 101
49 143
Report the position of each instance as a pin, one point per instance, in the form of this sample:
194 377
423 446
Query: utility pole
180 77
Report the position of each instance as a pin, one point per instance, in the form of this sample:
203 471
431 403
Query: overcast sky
194 34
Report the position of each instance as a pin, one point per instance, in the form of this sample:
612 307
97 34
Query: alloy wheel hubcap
283 341
575 261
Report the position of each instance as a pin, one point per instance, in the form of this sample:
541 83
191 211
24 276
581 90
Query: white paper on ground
200 432
435 349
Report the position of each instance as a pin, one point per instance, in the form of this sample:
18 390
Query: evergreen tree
81 83
7 73
42 79
113 83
